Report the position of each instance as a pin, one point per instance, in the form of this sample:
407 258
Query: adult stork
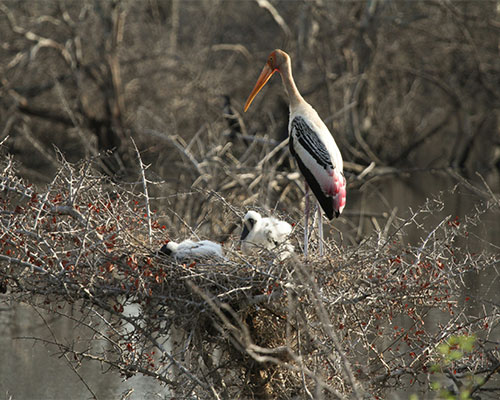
312 145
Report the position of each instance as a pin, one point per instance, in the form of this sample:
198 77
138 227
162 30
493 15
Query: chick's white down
190 249
265 232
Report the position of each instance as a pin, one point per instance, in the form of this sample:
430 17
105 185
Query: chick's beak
265 75
245 232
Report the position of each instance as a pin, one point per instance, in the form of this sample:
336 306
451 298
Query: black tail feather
326 202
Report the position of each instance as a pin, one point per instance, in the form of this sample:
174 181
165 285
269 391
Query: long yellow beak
265 75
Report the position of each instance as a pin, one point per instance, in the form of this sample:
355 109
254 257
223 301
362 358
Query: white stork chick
189 249
268 232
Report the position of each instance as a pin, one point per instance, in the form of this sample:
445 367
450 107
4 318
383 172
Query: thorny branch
319 328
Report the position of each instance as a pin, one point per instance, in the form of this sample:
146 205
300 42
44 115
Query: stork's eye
251 221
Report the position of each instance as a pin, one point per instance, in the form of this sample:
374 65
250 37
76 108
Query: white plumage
312 145
189 249
266 232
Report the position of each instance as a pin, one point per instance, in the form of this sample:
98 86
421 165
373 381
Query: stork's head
169 247
251 218
276 60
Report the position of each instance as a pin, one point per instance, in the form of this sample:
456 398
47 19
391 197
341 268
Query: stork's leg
306 222
320 230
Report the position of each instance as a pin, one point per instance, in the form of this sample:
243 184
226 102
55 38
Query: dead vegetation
406 85
347 325
131 94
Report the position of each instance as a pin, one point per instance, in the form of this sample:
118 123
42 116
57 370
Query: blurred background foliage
410 85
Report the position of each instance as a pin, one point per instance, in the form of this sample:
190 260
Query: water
34 371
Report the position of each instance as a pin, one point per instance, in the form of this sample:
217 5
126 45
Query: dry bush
249 327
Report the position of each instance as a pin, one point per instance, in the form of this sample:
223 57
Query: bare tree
395 80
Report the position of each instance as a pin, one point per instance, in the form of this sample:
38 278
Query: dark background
403 83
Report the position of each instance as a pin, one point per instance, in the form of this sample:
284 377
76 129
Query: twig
493 196
181 149
65 354
145 189
276 16
239 48
426 240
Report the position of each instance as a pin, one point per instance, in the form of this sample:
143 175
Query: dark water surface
31 370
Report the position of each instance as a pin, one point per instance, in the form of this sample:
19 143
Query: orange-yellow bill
266 73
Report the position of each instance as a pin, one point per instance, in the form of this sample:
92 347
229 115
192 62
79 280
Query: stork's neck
290 87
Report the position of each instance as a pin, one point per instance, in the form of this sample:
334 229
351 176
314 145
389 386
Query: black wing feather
311 142
326 202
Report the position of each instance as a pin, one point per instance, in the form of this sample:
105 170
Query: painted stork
312 145
189 249
268 232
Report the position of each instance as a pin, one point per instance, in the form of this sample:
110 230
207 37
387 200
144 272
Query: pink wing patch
337 189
